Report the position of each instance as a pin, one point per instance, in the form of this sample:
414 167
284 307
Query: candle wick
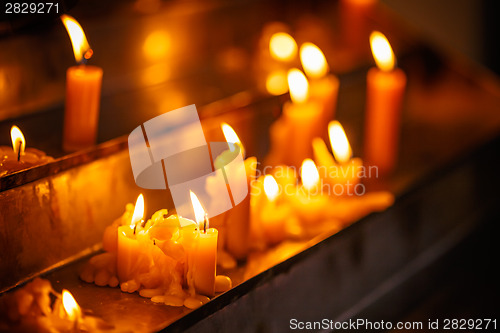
19 151
205 221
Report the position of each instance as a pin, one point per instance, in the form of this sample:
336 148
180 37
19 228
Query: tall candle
324 87
301 118
385 90
205 255
83 92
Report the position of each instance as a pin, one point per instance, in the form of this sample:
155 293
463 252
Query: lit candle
324 87
385 90
19 157
342 171
291 135
83 91
274 214
205 256
282 47
72 308
131 259
309 201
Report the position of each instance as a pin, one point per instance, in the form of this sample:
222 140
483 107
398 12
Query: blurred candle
83 92
282 47
274 214
385 90
344 171
300 119
323 87
205 256
309 201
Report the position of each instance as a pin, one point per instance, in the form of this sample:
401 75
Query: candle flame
309 174
81 47
282 46
276 83
138 211
18 140
271 188
313 60
298 86
231 137
199 212
338 140
70 305
382 51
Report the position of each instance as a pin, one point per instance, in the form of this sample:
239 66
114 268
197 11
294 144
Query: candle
324 87
343 172
297 126
19 157
274 215
385 89
282 47
83 91
355 20
205 255
309 201
131 257
235 223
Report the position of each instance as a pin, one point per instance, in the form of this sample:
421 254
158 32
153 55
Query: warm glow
309 174
276 83
156 45
231 137
17 138
313 60
138 211
70 306
199 212
382 51
338 140
81 47
271 188
298 86
282 46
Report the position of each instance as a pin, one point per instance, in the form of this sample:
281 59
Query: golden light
81 47
199 212
298 86
313 60
338 140
232 137
271 188
276 83
18 141
156 45
382 51
138 211
282 46
70 305
309 174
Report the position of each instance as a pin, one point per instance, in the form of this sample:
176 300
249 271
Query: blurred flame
282 46
70 305
231 136
338 140
199 212
156 45
382 51
276 83
271 187
298 86
313 60
17 138
309 174
81 47
138 211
